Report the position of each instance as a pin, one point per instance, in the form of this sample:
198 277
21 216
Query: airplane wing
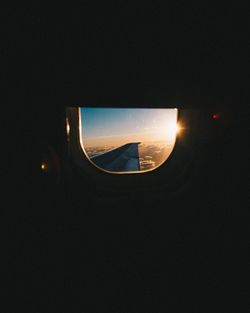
122 159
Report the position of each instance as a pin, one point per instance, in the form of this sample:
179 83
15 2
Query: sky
117 126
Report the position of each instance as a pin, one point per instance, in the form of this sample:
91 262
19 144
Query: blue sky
101 123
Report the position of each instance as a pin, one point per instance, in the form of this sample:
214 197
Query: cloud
93 151
148 164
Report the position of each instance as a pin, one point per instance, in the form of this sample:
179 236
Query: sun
168 131
173 129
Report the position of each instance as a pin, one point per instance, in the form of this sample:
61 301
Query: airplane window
127 140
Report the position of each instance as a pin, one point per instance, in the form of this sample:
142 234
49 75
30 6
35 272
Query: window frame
165 175
125 172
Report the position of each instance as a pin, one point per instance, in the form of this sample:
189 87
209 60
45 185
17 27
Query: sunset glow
106 129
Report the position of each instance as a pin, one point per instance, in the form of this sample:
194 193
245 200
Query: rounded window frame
125 172
165 175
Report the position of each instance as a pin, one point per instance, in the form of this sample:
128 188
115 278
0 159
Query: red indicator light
216 116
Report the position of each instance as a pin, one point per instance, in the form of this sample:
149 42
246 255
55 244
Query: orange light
178 128
44 166
67 127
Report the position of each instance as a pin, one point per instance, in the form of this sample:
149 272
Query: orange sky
157 127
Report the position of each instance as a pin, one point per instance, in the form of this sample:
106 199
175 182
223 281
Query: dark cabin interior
77 245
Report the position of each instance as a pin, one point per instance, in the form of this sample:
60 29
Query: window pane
120 140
